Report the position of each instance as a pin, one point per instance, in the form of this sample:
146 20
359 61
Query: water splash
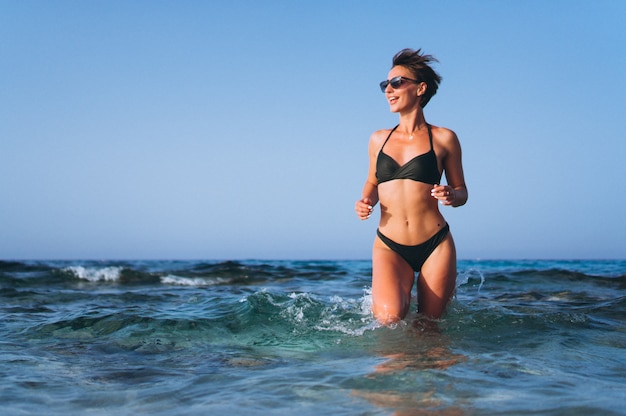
468 274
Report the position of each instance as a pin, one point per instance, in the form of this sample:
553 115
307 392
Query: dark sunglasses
395 82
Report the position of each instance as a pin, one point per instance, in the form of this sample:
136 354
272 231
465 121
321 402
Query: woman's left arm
455 193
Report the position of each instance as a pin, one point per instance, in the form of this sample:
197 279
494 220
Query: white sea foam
107 274
191 281
297 310
332 319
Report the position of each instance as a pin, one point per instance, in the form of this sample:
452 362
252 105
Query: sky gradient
239 129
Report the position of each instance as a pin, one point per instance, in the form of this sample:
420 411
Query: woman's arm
369 196
455 193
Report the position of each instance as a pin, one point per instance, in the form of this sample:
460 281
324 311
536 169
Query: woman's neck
412 122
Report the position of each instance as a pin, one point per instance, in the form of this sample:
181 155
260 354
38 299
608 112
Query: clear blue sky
239 129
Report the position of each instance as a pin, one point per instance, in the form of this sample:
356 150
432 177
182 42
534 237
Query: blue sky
239 129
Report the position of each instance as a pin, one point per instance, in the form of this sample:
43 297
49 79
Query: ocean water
294 337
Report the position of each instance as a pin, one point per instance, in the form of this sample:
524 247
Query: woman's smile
392 99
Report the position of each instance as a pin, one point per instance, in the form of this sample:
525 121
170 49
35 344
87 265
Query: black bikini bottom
416 255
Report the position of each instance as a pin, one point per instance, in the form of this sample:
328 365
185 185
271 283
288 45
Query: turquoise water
289 337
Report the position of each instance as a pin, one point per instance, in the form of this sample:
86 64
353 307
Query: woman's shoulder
377 139
379 136
444 135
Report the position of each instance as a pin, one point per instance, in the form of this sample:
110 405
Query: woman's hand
444 193
364 208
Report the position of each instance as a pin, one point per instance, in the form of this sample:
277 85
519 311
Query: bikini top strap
387 139
430 136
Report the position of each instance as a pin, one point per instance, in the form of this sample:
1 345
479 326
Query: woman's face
405 97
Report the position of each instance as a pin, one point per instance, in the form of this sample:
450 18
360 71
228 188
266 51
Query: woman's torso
406 172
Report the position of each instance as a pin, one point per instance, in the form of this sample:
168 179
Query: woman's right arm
369 196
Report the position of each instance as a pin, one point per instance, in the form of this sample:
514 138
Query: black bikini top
422 168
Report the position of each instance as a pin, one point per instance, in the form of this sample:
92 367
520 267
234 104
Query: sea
298 338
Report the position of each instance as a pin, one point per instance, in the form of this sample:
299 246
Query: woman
406 165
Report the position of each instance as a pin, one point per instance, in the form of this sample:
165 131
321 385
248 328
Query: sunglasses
395 82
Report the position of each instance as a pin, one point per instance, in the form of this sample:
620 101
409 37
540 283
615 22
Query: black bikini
416 255
422 168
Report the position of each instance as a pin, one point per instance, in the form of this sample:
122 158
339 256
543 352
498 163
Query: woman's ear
421 88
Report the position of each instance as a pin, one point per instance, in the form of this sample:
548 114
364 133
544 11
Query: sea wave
283 330
307 312
174 280
105 274
610 274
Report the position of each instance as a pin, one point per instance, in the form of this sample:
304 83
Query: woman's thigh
437 280
392 282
